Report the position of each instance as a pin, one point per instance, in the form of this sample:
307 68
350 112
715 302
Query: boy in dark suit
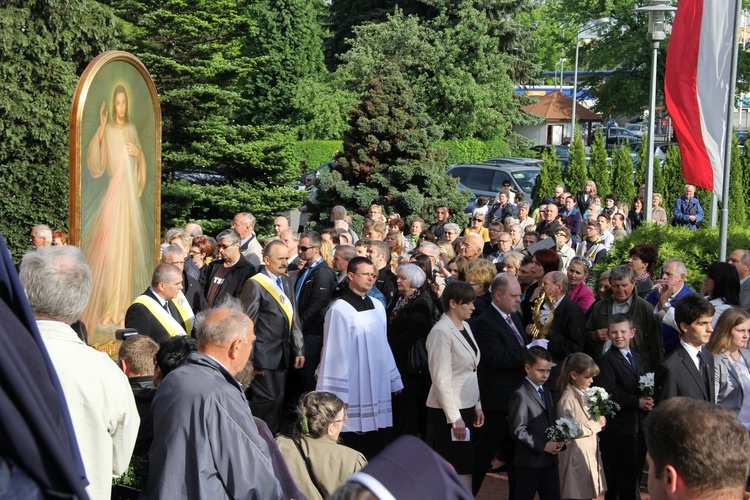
622 444
530 412
689 369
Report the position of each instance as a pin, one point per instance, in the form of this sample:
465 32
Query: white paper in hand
466 438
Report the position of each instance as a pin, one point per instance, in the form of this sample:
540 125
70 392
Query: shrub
697 249
474 150
316 153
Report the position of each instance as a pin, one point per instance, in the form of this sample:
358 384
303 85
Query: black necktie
541 395
631 361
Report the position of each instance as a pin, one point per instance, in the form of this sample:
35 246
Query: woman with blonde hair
318 463
512 261
728 344
477 226
479 274
326 251
585 197
446 250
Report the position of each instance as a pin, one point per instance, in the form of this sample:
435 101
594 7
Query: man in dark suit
380 255
502 342
226 276
153 313
531 411
622 445
278 340
313 289
689 370
566 333
740 259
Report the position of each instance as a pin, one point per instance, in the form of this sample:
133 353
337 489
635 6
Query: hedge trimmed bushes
314 153
697 249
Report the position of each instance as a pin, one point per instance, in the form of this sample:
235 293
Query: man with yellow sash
154 313
269 301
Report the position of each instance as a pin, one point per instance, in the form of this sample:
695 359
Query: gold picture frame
115 185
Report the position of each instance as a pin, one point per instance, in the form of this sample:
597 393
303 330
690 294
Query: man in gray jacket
206 443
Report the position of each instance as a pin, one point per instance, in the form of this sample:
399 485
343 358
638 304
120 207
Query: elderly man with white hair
41 236
57 282
206 443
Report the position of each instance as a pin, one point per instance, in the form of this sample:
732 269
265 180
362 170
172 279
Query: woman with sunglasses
477 226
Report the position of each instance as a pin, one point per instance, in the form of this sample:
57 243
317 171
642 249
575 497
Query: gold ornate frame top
76 139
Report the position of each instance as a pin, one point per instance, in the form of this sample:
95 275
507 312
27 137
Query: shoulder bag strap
321 490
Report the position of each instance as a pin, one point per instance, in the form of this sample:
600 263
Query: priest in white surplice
357 364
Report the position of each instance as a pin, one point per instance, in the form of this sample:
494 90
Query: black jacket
315 298
501 364
240 272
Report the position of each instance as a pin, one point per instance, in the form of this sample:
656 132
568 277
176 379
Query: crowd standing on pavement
278 369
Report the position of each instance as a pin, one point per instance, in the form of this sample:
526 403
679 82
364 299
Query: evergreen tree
745 159
640 172
622 174
194 54
658 177
599 167
453 63
577 172
737 200
550 175
390 157
674 182
289 41
46 46
640 169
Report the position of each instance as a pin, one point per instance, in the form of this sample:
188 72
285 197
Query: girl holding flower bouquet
581 472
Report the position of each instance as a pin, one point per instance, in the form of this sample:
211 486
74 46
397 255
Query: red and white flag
696 86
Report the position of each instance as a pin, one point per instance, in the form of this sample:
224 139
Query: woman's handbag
417 358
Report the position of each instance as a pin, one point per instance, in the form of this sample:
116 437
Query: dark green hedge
697 249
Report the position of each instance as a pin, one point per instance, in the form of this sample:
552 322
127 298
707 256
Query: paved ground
495 487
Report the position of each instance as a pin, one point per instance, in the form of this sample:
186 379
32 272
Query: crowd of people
278 370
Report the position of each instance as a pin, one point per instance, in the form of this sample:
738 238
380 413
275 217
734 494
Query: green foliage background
697 249
44 48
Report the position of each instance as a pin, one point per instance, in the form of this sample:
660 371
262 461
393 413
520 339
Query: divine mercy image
117 211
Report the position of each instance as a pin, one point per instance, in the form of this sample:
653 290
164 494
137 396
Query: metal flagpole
724 226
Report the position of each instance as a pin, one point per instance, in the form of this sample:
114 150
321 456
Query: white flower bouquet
564 430
646 384
599 403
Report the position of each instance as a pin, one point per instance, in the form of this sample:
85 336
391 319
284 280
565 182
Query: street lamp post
593 24
657 10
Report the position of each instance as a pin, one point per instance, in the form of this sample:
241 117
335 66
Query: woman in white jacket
453 402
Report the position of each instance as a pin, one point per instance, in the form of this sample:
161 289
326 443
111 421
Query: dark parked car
614 136
487 180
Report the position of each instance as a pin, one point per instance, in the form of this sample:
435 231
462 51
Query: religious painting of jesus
115 185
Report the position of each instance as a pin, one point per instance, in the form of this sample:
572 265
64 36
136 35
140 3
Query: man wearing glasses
357 364
227 275
312 293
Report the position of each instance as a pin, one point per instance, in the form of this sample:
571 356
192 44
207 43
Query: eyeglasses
478 220
222 246
342 419
504 241
367 275
305 249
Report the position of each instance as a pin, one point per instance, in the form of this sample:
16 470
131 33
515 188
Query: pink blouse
582 296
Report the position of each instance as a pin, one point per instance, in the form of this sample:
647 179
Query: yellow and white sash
186 312
170 324
270 286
